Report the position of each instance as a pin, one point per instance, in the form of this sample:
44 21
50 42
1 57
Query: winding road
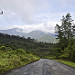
44 67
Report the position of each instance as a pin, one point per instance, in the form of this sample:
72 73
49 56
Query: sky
31 15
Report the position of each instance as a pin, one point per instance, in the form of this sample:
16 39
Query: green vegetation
64 50
65 34
10 59
16 51
17 42
69 63
48 38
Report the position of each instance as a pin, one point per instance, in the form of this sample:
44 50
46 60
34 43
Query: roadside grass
11 59
69 63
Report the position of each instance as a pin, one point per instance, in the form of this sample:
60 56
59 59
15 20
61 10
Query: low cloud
45 27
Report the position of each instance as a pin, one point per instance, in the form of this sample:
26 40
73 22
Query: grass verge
69 63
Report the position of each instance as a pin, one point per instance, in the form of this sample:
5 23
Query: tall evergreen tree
66 29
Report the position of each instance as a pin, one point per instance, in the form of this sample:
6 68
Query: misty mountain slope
14 31
36 34
18 31
48 38
39 35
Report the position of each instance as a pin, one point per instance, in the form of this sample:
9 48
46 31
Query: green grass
69 63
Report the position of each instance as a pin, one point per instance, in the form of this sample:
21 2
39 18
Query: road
44 67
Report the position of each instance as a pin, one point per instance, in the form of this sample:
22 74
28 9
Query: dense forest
28 44
16 51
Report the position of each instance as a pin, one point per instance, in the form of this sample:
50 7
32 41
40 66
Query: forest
16 51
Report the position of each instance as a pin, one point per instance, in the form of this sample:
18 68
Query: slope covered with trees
48 38
16 51
17 42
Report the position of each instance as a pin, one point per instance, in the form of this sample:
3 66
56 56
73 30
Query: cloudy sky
34 14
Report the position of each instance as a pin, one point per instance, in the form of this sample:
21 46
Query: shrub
2 48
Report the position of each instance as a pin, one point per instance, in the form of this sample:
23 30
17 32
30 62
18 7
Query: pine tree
66 29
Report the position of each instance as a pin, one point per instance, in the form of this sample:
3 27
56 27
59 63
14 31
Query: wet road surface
43 67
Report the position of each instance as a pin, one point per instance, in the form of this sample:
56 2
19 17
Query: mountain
39 35
47 38
14 31
35 34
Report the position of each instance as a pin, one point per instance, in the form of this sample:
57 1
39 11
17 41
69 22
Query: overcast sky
34 14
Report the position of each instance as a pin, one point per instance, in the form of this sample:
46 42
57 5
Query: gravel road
44 67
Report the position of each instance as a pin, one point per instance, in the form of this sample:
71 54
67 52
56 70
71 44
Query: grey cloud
65 2
23 8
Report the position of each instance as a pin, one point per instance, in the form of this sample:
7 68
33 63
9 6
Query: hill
48 38
39 35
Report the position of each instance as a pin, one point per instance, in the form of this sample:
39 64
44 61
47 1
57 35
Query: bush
2 48
11 59
69 53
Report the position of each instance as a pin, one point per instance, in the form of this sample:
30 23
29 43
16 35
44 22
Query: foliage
10 59
65 34
69 52
66 29
28 44
16 51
